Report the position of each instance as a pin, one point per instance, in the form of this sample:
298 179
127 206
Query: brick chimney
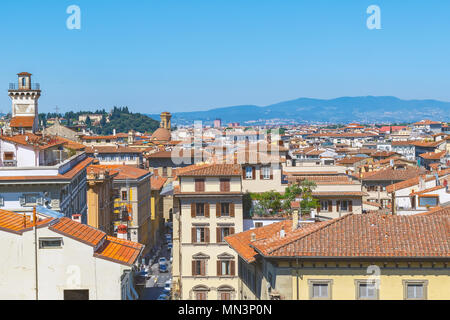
295 205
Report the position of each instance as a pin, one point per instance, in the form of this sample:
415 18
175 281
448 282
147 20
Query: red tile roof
390 174
112 149
433 155
353 236
22 122
157 182
17 223
205 170
78 231
414 181
119 250
125 172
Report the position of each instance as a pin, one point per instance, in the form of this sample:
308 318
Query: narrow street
155 284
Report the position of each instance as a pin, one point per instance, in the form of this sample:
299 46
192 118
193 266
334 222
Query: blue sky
186 55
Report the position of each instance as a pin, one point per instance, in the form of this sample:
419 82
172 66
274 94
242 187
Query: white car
167 286
162 260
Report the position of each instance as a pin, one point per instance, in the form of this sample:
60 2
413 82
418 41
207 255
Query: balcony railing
15 86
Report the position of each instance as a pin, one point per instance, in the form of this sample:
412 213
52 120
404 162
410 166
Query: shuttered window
199 267
224 185
199 185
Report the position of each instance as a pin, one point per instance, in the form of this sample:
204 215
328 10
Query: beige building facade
208 208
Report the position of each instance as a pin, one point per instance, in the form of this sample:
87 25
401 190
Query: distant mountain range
341 110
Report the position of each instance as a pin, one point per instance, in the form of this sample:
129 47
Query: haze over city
177 55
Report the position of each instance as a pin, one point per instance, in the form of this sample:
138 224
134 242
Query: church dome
161 134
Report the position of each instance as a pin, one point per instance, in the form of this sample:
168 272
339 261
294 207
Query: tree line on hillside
120 118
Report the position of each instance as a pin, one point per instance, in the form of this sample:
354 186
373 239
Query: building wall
292 282
212 184
187 249
69 268
263 185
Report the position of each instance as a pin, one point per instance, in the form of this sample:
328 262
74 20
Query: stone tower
24 96
165 120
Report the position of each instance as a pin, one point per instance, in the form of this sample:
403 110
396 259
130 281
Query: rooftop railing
15 86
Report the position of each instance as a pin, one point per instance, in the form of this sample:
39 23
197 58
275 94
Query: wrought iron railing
15 86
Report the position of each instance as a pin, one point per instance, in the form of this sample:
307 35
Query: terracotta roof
161 134
425 122
101 137
78 231
352 160
339 193
22 122
242 242
112 149
354 236
427 190
119 250
427 144
414 181
35 141
323 180
210 170
433 155
390 174
125 172
17 223
109 248
383 154
157 182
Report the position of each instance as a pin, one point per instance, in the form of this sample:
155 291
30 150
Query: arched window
24 82
225 292
200 292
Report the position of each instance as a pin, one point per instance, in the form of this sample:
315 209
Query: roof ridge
320 227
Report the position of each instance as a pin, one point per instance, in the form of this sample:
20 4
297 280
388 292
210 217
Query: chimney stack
122 232
295 205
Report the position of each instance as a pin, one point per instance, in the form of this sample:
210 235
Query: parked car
163 297
170 245
168 237
162 260
163 268
168 286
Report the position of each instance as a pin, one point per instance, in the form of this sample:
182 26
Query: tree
269 203
304 192
88 122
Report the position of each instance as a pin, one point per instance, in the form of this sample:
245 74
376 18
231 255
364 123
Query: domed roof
161 134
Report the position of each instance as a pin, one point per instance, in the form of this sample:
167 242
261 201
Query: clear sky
186 55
